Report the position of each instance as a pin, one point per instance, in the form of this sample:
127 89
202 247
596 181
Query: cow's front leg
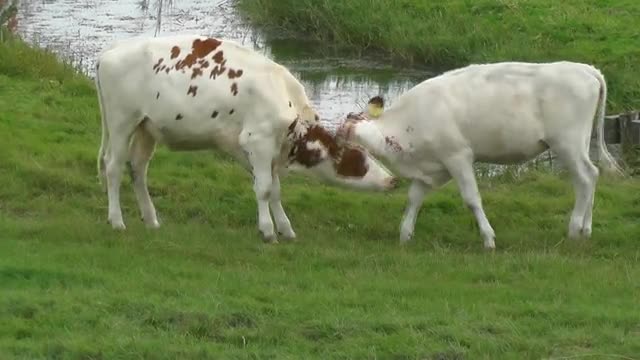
282 221
417 191
461 169
261 152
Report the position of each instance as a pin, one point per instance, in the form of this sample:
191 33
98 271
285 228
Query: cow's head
314 147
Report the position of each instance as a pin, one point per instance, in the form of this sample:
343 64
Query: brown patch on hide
218 57
199 49
300 151
392 143
234 73
218 70
192 90
175 51
352 163
347 161
196 72
156 67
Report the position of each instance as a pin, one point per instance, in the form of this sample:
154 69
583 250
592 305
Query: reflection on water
78 29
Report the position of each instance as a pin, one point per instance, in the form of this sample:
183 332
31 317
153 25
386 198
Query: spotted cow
194 93
502 113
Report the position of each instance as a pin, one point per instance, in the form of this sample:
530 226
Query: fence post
630 129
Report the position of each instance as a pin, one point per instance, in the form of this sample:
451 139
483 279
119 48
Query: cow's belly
189 134
509 148
504 136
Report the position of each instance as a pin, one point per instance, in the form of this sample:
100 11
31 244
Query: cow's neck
368 134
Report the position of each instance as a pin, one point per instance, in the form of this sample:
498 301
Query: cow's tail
605 159
104 142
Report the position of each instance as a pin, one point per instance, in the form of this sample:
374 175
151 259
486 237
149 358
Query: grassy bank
454 33
204 286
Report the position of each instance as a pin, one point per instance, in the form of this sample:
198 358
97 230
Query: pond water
78 29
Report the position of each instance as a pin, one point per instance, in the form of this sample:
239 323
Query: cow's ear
375 107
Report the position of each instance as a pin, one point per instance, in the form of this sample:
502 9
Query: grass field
204 286
446 34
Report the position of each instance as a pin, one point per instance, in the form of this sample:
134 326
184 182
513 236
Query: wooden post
630 129
612 129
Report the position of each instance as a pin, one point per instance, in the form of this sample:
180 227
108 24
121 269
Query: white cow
501 113
193 93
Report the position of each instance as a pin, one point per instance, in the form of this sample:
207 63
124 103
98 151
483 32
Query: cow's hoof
118 225
288 236
577 234
405 238
269 239
490 245
152 224
406 235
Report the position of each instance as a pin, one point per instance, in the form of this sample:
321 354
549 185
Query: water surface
78 29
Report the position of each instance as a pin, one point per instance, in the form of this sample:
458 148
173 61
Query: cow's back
501 108
197 92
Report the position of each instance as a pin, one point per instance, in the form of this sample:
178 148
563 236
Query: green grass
453 33
204 286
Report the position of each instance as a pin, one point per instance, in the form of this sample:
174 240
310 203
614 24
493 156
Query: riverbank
455 33
8 11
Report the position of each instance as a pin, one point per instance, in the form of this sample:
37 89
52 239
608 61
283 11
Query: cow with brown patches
259 113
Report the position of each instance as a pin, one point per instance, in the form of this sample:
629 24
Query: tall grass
452 33
204 286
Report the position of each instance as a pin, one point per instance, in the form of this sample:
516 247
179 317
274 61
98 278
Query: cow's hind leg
588 164
141 152
115 161
584 176
460 167
260 153
282 221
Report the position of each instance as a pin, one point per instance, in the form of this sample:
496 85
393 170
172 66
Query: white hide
502 113
192 93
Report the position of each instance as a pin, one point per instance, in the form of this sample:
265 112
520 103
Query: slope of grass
204 286
453 33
